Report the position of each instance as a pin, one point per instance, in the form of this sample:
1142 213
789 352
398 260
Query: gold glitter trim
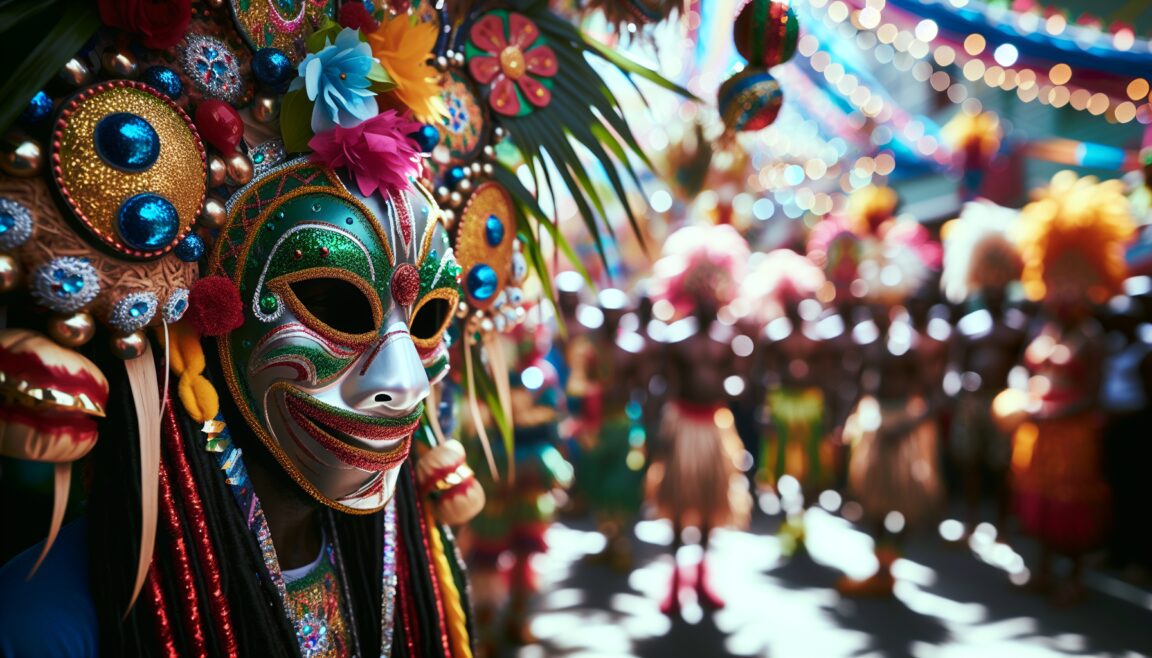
453 299
95 190
472 246
282 285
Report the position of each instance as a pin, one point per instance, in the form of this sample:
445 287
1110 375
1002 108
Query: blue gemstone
70 284
38 109
272 67
454 176
126 141
180 306
7 221
148 221
164 80
482 282
190 249
494 230
138 309
427 137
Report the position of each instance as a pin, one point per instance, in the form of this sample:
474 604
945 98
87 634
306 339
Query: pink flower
378 152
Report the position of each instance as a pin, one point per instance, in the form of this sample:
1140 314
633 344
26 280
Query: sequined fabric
314 602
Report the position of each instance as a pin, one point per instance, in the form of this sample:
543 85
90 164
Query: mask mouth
350 436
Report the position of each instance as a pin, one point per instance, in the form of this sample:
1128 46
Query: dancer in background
980 264
892 432
697 482
796 367
1071 240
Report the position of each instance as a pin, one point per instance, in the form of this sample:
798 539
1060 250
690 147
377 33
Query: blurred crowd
998 372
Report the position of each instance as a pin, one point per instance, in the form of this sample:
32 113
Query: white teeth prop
50 397
443 474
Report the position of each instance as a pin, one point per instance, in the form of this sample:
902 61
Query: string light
917 43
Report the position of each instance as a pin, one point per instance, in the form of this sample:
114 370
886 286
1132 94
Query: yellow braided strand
186 359
456 624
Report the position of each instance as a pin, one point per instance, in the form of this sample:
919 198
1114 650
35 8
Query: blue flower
336 79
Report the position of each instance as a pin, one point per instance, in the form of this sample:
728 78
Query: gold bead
217 171
131 346
214 214
72 330
239 169
215 4
464 186
76 72
455 199
489 153
475 169
119 64
487 169
10 273
266 107
21 156
449 219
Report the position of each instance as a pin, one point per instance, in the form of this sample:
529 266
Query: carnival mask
346 302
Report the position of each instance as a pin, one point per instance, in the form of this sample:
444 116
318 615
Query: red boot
671 603
708 599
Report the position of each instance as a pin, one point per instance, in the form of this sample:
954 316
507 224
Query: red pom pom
220 125
214 306
356 16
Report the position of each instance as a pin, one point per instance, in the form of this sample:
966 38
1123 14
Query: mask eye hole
430 318
337 303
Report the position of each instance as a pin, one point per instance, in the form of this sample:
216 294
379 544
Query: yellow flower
404 45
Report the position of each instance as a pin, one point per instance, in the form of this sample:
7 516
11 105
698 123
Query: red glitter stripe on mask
160 610
189 599
194 509
441 615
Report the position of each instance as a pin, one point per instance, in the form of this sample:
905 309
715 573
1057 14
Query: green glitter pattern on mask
326 365
449 276
377 421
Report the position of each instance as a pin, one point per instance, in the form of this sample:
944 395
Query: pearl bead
266 107
239 169
9 273
217 171
131 346
119 64
72 330
76 72
21 156
213 214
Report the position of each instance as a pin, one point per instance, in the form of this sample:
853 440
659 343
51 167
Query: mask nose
390 379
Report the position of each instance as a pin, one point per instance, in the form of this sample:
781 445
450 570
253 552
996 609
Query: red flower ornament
507 53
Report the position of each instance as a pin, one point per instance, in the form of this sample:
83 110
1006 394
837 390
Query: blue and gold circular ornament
750 100
130 166
483 245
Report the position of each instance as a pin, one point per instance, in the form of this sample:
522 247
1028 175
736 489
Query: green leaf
323 36
381 81
296 121
628 66
37 44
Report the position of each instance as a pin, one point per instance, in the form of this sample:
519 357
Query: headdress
777 279
700 265
979 251
1072 237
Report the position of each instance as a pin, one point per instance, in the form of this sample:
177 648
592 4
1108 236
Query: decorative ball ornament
38 110
164 80
133 312
190 249
272 68
130 166
21 156
750 100
766 32
212 67
72 330
131 346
